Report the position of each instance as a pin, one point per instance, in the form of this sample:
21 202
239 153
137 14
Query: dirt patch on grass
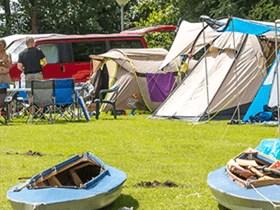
29 153
156 184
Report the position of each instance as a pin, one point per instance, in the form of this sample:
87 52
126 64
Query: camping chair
4 105
22 105
43 96
101 100
64 99
5 85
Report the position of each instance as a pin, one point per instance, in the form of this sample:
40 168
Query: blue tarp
248 27
270 147
240 25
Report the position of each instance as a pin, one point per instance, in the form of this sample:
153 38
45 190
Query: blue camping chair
5 85
22 105
65 99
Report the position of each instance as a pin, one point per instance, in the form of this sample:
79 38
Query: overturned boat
251 180
81 182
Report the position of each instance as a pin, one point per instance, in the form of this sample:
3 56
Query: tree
151 13
266 10
191 10
7 9
62 16
236 8
31 8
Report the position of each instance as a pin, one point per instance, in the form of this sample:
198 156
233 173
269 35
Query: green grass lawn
146 150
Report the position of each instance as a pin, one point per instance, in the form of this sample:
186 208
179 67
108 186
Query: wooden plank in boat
243 162
53 181
22 186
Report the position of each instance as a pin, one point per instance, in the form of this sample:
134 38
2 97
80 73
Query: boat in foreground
249 181
81 182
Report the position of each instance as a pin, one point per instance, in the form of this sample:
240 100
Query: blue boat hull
96 201
95 194
233 196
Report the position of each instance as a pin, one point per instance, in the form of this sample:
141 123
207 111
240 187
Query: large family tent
226 78
267 94
142 85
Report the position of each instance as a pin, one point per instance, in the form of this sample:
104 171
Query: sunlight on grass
146 150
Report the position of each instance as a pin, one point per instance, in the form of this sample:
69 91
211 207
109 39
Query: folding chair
101 100
43 97
22 105
4 105
5 85
64 99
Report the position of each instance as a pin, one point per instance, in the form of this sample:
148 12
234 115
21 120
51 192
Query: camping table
15 90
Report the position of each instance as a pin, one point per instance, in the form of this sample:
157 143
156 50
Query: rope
274 205
246 88
142 95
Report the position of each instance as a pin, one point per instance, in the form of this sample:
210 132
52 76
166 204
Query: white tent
186 37
235 70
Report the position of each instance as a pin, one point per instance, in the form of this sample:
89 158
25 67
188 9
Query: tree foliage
266 10
94 16
152 13
62 16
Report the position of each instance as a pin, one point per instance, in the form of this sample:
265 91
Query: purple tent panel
160 85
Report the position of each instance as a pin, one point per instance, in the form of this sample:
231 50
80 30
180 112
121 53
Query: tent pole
122 6
206 74
277 75
236 75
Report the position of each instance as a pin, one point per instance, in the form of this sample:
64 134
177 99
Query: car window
15 49
83 49
125 44
50 51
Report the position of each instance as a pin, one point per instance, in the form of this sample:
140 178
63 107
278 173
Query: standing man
29 61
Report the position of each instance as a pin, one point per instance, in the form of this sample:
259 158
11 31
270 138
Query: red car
68 55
